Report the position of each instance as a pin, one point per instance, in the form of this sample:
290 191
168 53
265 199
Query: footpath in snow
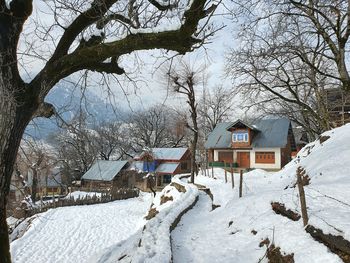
190 237
74 234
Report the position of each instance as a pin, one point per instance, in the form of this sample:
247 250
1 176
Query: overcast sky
148 87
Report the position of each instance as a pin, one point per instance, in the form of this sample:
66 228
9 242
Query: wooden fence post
232 177
300 174
240 182
225 173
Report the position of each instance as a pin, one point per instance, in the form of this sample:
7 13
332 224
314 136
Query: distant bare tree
36 160
155 127
76 149
110 140
184 80
215 106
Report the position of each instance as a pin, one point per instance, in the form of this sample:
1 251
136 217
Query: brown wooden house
265 144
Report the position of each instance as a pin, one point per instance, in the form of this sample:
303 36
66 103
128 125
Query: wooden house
107 175
163 163
265 144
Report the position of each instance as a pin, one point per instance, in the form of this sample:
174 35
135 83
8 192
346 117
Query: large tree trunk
13 120
15 114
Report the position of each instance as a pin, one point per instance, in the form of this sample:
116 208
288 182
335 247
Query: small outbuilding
107 175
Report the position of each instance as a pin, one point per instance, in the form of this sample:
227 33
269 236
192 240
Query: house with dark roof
264 143
105 175
164 163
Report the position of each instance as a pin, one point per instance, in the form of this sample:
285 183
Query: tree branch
162 7
93 14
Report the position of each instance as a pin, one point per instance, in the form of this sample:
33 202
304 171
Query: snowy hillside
220 227
233 232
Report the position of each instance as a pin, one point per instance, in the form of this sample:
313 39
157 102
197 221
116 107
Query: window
240 137
166 178
265 157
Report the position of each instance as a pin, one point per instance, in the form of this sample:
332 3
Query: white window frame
235 136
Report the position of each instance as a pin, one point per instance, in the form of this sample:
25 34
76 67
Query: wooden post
301 173
53 200
232 177
225 173
212 170
240 182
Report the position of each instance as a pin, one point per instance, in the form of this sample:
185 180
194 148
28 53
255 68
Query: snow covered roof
168 168
104 170
167 153
269 133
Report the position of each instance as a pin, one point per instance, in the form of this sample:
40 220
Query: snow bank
81 195
152 243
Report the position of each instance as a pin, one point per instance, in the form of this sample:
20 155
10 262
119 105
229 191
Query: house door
243 159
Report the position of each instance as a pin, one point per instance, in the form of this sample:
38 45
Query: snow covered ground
230 233
74 234
227 234
152 243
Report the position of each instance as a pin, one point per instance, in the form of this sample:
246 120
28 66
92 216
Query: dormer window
240 137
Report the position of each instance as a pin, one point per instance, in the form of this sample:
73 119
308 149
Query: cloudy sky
147 87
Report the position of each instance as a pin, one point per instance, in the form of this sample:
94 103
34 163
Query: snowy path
189 239
74 234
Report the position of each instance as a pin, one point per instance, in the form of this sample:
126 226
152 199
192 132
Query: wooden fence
105 197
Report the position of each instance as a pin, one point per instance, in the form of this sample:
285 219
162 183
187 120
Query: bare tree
284 65
184 80
325 25
76 148
155 127
215 106
110 142
35 160
79 35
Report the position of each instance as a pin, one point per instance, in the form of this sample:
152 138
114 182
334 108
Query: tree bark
34 185
17 106
13 120
193 107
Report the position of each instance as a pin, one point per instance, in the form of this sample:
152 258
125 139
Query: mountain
69 100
